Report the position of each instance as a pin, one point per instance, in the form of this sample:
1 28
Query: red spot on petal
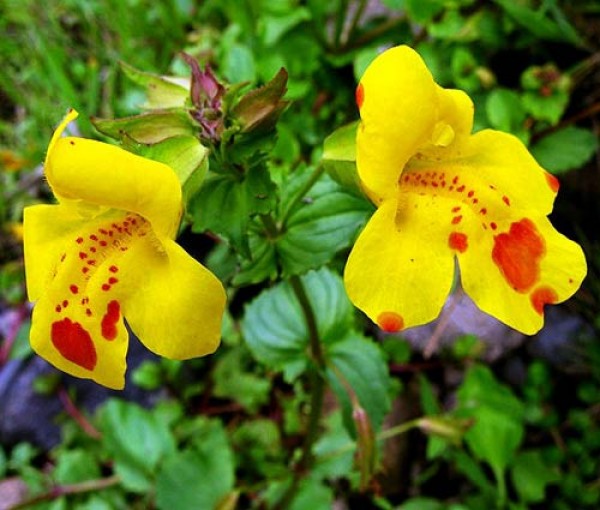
79 240
518 252
85 269
475 201
103 231
82 255
58 308
91 262
102 243
74 289
483 210
458 241
63 257
113 269
456 220
455 180
74 343
110 320
543 296
93 249
443 184
506 200
88 312
390 322
456 209
105 286
112 280
493 225
470 194
65 303
94 237
360 95
553 182
461 188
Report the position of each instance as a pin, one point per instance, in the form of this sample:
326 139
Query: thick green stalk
317 389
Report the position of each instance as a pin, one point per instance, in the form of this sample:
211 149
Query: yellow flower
105 253
444 193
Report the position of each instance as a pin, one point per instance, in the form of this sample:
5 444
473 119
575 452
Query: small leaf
327 220
136 450
225 204
272 28
275 329
360 367
421 504
199 477
531 474
566 149
505 111
76 466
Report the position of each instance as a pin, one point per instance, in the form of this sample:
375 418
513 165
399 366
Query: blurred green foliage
232 429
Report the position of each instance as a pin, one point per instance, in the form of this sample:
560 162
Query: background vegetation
459 430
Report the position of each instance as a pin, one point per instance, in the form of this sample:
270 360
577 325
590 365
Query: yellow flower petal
177 306
523 266
400 270
398 105
97 173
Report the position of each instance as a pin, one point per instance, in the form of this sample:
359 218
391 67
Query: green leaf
239 65
421 504
136 439
275 329
247 388
312 494
76 466
325 221
531 474
360 366
198 477
565 149
272 28
423 11
505 111
225 204
540 25
547 108
339 156
498 429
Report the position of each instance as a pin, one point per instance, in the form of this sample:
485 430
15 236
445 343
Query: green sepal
339 156
148 127
161 91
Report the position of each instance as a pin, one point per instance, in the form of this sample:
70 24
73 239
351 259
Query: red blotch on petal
110 320
113 269
506 200
518 252
553 182
390 322
456 220
74 343
74 289
360 95
458 241
543 296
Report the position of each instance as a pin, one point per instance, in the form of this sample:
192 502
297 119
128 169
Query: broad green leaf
359 365
566 149
505 112
199 477
239 65
76 466
275 329
136 440
312 494
147 128
334 450
541 25
498 428
423 11
421 504
547 108
259 447
247 388
325 221
531 474
225 204
271 28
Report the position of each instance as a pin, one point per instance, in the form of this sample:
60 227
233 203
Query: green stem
317 387
315 176
355 20
339 24
63 490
